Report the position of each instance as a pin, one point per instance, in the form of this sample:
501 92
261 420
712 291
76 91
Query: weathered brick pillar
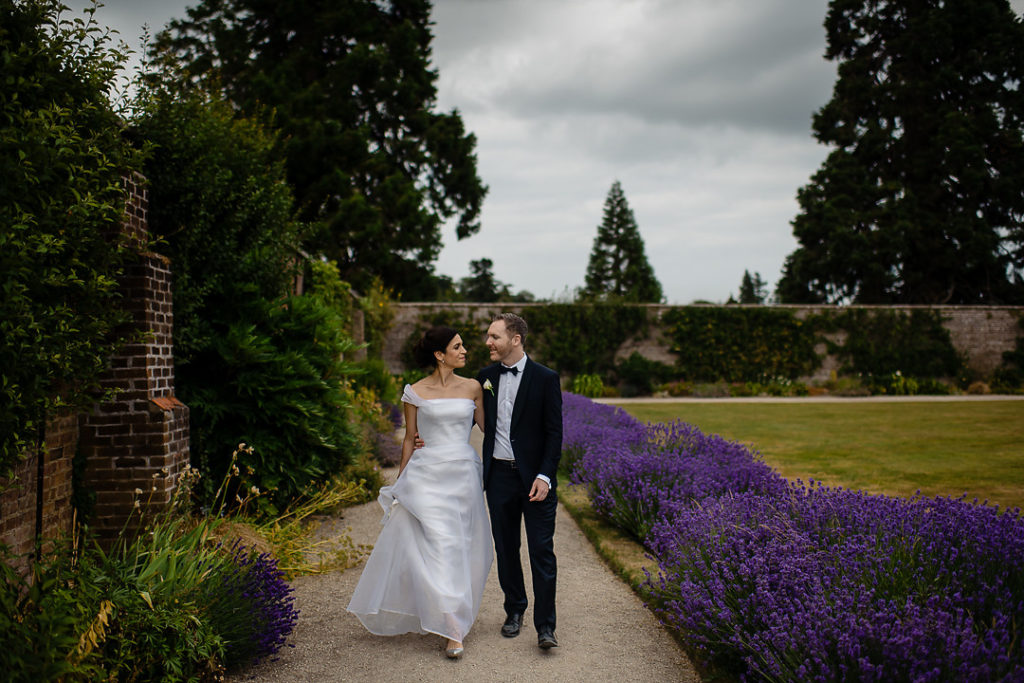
34 506
139 439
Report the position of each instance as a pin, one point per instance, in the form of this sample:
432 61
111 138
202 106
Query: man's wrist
544 479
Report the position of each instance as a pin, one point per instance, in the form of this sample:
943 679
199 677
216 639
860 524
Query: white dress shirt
508 388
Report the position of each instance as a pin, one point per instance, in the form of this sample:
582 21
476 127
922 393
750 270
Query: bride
427 570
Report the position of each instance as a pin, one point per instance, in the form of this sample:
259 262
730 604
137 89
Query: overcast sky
700 108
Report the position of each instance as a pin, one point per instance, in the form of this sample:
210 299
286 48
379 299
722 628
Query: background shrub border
714 344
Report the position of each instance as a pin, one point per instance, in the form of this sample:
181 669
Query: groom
522 446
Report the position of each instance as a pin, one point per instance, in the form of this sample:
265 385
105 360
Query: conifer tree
753 290
618 267
481 285
920 201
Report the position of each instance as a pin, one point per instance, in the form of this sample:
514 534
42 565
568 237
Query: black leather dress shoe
546 639
513 622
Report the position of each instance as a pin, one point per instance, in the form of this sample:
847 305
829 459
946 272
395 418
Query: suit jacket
536 427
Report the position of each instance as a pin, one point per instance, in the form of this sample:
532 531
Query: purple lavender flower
251 606
786 581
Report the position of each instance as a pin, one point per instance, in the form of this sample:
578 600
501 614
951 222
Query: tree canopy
483 286
253 363
350 87
618 266
922 199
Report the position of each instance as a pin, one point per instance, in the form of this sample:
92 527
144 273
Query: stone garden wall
983 333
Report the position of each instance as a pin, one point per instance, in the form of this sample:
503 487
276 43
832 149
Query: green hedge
753 345
740 344
62 161
881 342
572 338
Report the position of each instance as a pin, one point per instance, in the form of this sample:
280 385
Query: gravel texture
604 631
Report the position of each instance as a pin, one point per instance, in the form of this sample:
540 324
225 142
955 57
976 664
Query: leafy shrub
847 386
740 344
165 604
588 385
638 375
715 390
378 314
582 338
678 388
373 375
253 363
275 378
335 293
979 388
62 161
41 622
219 202
1009 378
777 386
881 342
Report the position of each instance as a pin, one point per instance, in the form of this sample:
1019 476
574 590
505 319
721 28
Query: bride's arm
478 399
409 442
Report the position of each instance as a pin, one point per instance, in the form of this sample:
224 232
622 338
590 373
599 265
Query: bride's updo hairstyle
434 339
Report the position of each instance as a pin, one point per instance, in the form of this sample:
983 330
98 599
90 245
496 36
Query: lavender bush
637 473
782 581
251 606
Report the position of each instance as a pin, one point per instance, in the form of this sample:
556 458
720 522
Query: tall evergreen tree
481 285
618 267
350 87
922 199
753 290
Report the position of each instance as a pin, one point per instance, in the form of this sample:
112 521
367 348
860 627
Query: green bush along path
943 448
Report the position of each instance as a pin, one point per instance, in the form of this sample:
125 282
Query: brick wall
139 440
25 510
982 333
136 442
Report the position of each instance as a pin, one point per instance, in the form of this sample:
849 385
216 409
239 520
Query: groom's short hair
514 324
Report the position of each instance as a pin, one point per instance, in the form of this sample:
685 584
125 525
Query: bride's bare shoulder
421 389
472 386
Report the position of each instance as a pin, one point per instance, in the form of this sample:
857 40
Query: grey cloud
750 64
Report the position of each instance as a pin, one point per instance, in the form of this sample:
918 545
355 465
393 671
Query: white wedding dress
427 570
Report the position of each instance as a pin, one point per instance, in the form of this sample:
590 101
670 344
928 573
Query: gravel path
605 633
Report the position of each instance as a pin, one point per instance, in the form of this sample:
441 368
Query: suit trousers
510 507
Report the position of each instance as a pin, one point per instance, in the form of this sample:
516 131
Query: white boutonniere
488 386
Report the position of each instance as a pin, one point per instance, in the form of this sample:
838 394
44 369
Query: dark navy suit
536 436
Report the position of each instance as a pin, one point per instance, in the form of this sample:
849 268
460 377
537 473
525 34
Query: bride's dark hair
434 339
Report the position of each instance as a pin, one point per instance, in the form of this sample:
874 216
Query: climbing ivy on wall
583 338
740 344
731 344
881 342
571 338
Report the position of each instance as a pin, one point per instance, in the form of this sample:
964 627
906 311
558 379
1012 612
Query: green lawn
951 448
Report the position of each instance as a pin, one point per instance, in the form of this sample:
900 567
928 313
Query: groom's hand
539 491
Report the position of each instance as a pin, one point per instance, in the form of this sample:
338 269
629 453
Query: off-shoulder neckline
408 387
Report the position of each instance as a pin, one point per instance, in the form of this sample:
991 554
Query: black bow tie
504 369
